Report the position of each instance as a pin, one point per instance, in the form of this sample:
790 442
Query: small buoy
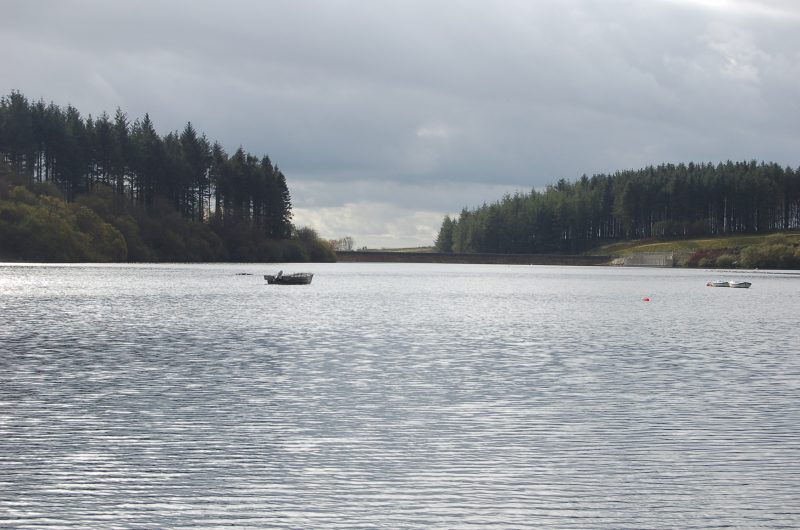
646 299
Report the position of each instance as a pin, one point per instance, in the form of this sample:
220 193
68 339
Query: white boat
718 283
739 284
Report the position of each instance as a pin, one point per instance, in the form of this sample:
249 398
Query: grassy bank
768 251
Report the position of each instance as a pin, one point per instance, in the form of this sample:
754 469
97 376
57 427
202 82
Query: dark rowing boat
298 278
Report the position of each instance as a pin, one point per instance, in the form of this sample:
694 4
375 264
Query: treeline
667 201
217 206
37 224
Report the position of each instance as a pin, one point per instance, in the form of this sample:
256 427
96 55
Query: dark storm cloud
351 98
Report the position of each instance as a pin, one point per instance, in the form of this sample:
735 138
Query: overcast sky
385 115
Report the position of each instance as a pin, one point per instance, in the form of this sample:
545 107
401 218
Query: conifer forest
669 201
149 197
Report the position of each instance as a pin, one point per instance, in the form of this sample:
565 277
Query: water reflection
397 396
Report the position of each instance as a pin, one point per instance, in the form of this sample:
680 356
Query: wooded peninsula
111 189
658 203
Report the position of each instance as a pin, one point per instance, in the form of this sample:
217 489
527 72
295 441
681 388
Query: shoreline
356 256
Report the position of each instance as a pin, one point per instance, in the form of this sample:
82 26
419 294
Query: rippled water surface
397 396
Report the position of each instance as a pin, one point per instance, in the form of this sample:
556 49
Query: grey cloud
449 94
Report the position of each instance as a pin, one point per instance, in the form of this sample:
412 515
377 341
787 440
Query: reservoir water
397 396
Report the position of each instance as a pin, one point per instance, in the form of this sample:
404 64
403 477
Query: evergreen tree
444 241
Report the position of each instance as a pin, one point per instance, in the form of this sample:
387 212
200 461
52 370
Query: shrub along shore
780 250
38 225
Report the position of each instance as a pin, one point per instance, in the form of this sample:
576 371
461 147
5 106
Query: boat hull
300 278
732 283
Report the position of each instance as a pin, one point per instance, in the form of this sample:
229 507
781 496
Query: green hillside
779 250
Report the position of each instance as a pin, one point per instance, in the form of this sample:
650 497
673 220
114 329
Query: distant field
410 249
626 248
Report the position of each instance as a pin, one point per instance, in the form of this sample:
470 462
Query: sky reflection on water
404 396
